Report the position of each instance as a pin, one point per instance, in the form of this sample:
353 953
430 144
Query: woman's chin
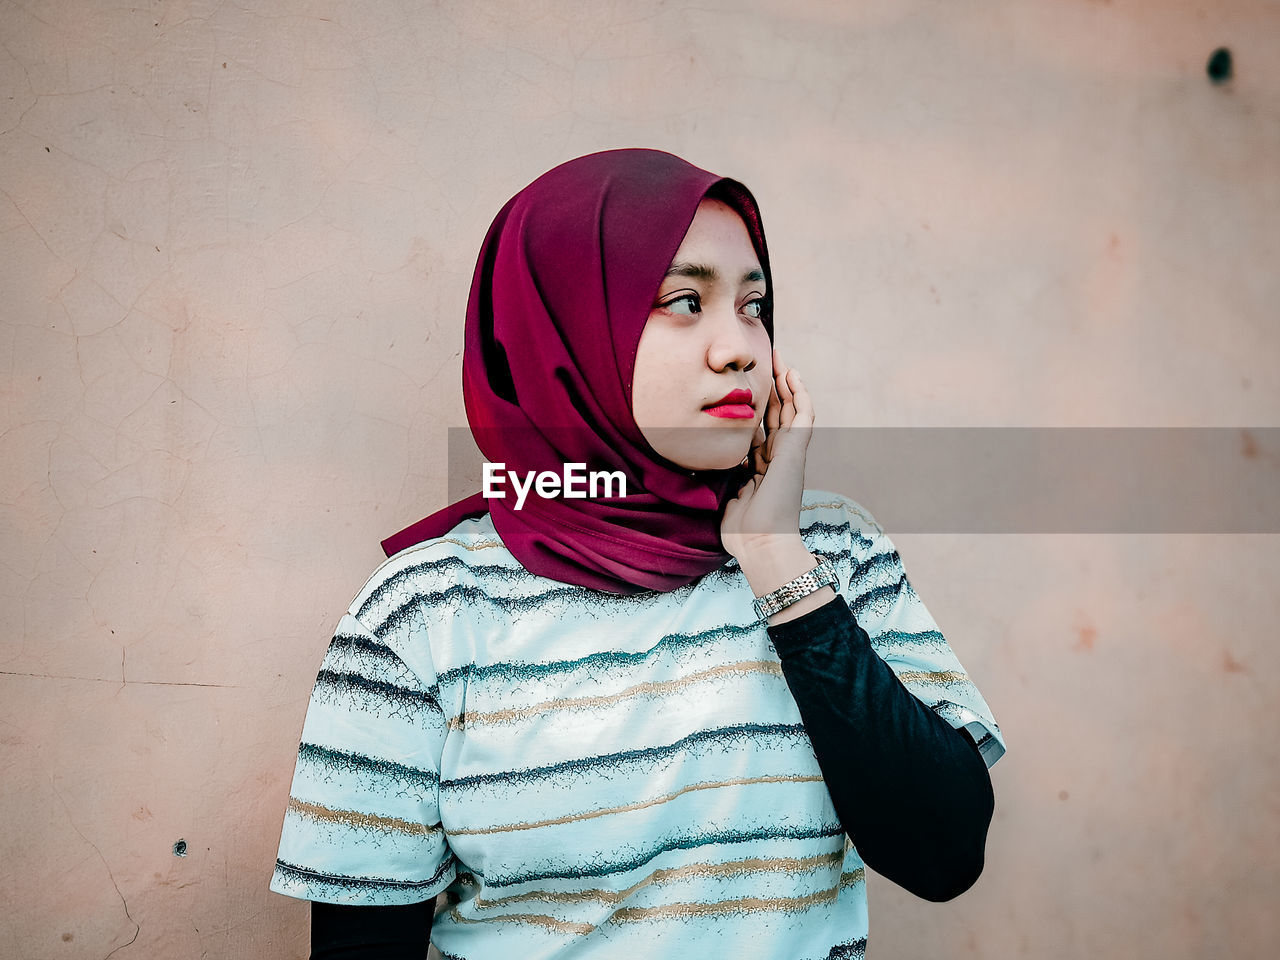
710 458
708 448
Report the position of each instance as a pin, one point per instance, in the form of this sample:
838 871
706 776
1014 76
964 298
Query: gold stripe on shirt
668 874
627 808
538 919
482 545
632 914
934 676
354 818
837 505
829 504
652 687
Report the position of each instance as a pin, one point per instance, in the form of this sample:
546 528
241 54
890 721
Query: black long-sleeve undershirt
912 792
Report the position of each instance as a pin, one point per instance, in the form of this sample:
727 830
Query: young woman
672 723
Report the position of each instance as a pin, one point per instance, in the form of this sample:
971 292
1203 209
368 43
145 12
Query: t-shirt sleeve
363 821
906 637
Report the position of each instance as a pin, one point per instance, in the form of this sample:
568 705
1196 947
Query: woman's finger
758 462
773 412
801 400
784 388
780 371
786 393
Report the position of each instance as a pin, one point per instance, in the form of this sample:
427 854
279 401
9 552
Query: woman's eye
755 309
691 304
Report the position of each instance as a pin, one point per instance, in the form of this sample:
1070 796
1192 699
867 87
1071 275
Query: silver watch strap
793 590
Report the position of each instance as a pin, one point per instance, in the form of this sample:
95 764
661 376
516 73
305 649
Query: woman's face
704 364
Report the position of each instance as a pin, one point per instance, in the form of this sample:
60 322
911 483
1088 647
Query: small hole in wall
1219 65
180 848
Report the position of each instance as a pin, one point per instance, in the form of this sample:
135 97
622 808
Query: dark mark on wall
1249 446
180 848
1231 665
1219 66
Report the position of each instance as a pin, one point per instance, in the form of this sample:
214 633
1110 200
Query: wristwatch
791 591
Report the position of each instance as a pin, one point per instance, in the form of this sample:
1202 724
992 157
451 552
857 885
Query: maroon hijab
567 275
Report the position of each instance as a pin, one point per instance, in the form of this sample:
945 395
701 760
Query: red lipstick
734 405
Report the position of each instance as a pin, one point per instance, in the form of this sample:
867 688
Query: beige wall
237 241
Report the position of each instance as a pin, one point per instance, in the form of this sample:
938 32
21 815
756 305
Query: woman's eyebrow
702 271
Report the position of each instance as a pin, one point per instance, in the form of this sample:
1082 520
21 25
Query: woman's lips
732 411
734 405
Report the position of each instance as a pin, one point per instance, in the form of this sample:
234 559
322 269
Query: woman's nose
729 347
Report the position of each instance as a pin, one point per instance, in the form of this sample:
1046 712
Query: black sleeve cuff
342 932
817 626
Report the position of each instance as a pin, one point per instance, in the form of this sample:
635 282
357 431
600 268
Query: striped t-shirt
590 775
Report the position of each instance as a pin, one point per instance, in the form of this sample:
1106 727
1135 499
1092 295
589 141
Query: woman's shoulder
834 515
419 602
466 557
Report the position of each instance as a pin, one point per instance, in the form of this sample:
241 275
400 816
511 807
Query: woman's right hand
766 511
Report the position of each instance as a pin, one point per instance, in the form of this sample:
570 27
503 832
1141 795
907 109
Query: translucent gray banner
1029 479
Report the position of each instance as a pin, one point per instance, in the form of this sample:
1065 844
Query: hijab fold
563 286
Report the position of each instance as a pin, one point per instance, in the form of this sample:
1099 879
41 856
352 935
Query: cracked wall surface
237 242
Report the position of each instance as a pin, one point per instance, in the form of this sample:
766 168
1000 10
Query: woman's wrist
769 562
